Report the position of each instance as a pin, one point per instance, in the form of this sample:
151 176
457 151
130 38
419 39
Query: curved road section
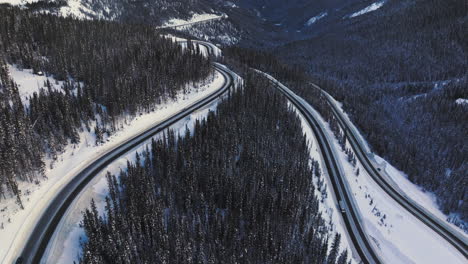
352 220
39 238
454 237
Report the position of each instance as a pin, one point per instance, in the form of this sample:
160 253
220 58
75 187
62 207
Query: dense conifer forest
237 189
418 128
399 80
109 71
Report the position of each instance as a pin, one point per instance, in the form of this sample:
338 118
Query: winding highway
39 238
350 211
452 236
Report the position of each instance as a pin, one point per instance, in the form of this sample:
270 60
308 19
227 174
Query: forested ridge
109 70
417 126
237 189
398 72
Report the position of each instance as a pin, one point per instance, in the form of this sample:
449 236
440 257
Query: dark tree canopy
110 71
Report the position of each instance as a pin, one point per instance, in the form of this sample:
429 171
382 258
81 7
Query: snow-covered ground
368 9
30 83
77 9
399 179
316 18
461 101
18 2
17 224
397 233
74 8
425 199
196 18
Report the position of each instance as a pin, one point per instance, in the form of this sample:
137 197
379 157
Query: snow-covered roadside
399 179
329 207
78 9
65 243
17 224
425 199
212 35
400 237
397 235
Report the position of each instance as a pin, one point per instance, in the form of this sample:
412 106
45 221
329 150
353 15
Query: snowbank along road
349 210
39 238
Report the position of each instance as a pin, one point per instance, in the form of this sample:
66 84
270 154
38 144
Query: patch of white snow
196 18
30 83
77 9
316 18
368 9
462 101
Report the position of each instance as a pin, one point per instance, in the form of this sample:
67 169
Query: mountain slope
399 71
145 11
